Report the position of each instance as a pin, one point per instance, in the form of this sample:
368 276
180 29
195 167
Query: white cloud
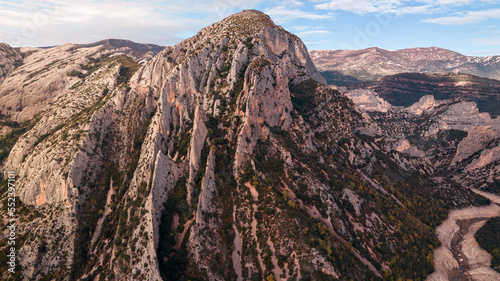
466 18
301 27
54 22
448 2
375 6
319 42
296 3
361 6
282 14
424 9
398 7
313 32
485 41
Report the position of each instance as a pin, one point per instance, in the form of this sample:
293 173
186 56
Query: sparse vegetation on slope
8 140
488 238
227 158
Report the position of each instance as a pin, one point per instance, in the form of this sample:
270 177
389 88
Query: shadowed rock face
407 88
10 59
224 156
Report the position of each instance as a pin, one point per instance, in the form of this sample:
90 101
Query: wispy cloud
466 18
301 27
448 2
317 43
486 41
398 7
295 3
361 6
54 22
313 32
282 14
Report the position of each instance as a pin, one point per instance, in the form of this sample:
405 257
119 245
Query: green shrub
76 73
269 211
258 215
488 238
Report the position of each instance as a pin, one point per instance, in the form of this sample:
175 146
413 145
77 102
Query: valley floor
460 257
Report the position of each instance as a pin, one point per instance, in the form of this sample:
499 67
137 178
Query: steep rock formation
368 100
10 59
223 157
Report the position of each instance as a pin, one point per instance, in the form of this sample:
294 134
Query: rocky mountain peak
241 26
245 23
36 77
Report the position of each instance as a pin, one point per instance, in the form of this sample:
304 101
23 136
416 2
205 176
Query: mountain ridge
33 80
227 157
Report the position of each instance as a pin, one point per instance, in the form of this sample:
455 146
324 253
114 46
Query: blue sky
471 27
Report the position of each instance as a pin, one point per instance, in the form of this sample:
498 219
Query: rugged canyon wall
453 136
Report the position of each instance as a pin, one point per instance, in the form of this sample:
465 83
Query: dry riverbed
460 257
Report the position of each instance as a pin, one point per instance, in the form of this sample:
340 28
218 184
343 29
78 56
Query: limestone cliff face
477 139
239 75
223 157
10 59
368 100
477 153
406 89
41 79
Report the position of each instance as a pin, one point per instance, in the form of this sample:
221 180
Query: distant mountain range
343 67
139 52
